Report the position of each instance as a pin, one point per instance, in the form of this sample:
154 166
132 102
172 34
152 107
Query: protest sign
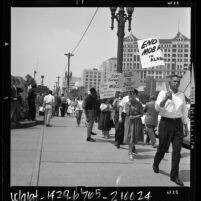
108 89
150 52
185 84
113 80
128 81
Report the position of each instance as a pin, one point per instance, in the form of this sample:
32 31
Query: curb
26 124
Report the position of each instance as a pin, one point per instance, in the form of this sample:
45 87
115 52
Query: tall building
108 66
91 78
72 82
176 54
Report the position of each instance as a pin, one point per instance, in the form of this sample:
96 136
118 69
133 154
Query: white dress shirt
79 105
49 99
174 108
123 102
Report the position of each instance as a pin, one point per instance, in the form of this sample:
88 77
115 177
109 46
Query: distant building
72 83
176 52
91 78
108 66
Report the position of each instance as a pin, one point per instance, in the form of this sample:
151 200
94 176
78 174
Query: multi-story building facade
108 66
91 78
72 82
176 54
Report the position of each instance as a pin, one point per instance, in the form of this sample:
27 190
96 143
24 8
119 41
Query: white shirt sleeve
122 102
102 106
160 97
184 111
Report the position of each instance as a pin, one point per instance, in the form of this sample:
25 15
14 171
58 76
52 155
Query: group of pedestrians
125 114
128 110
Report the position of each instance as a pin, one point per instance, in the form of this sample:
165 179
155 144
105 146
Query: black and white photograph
101 96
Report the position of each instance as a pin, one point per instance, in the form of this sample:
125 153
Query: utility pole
58 81
56 85
35 74
68 55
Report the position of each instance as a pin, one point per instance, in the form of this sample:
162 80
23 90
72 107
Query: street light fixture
42 77
35 74
121 18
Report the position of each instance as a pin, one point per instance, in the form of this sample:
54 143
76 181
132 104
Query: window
185 55
173 50
173 55
186 50
134 57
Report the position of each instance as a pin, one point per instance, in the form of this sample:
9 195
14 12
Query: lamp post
42 77
121 18
35 75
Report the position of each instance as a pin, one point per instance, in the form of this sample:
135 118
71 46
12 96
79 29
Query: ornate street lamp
42 77
35 74
121 18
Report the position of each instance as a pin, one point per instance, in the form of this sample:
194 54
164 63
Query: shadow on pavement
164 173
141 157
184 175
103 140
62 126
185 154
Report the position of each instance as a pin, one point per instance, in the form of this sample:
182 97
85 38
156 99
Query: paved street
61 156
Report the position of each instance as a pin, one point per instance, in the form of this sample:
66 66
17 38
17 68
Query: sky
41 36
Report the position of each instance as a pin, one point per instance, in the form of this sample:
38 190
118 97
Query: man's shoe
48 125
92 133
177 181
90 139
155 168
117 145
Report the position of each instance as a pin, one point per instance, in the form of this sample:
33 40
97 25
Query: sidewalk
28 123
61 156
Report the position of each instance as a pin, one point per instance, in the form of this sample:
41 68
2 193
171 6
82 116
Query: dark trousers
63 109
119 127
56 110
79 116
170 130
32 111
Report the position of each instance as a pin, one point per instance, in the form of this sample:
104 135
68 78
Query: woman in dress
104 122
133 132
78 109
118 132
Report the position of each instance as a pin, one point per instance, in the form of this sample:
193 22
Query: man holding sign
172 108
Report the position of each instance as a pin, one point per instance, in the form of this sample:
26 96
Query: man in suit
171 105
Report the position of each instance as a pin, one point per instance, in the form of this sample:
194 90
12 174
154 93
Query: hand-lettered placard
129 81
150 52
108 89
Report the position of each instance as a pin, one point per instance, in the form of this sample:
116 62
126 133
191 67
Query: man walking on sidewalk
173 111
48 104
89 108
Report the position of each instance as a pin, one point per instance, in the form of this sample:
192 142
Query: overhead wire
82 36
